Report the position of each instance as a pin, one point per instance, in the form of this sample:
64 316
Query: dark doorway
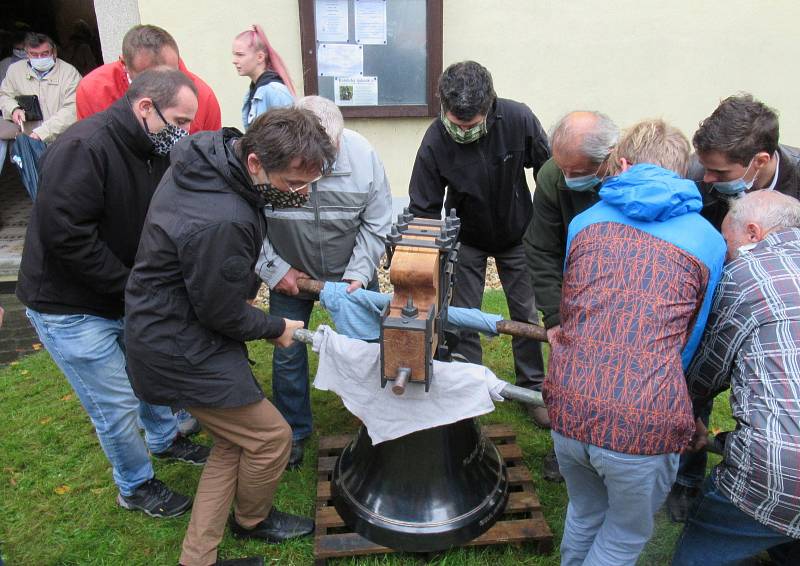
56 18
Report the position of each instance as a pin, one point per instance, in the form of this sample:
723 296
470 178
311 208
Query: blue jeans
612 500
290 388
718 533
90 351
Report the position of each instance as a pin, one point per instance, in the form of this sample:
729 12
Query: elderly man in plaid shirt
751 502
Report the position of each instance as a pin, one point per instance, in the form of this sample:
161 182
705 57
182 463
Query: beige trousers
251 449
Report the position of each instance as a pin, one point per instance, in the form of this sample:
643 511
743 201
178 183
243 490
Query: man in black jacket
478 150
95 186
188 317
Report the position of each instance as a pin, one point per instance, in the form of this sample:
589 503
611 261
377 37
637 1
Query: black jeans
470 279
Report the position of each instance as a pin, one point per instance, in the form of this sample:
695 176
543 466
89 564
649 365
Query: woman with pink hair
270 84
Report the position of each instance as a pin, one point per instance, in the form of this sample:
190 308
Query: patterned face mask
281 199
167 137
463 136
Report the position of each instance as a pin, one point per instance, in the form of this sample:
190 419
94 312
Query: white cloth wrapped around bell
352 369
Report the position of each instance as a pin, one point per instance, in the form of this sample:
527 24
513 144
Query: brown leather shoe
539 416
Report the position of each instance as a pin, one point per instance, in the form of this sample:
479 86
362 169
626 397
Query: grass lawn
57 496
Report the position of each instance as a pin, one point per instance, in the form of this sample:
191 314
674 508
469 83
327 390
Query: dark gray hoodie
187 316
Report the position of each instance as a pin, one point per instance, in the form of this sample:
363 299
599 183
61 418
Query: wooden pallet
522 521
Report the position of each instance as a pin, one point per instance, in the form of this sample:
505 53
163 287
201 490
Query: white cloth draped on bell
352 369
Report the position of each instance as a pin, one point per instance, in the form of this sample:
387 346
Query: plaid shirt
752 343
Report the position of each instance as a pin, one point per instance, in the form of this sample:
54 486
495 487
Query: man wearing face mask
567 184
51 79
330 230
188 317
737 152
751 500
96 182
478 151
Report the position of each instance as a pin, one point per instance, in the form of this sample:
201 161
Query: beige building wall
632 59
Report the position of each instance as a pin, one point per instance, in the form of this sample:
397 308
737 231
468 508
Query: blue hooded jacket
665 205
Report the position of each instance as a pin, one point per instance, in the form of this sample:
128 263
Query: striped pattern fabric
628 303
752 344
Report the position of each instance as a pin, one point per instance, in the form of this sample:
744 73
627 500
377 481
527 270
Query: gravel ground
492 282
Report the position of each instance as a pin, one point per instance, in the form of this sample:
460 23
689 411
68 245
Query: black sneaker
185 450
155 499
680 502
296 455
249 561
277 527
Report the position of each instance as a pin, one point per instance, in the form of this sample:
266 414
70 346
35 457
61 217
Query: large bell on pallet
427 491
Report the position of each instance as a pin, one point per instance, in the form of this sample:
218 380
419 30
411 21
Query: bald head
754 216
581 142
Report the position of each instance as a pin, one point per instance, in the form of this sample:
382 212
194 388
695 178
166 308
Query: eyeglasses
296 188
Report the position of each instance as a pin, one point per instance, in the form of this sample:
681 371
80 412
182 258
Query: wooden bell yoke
421 255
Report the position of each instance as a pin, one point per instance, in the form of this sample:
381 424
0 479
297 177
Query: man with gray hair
566 185
751 501
331 230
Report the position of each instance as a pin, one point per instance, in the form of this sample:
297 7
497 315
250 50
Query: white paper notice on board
355 91
340 59
370 22
331 20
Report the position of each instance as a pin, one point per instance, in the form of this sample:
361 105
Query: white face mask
741 250
20 53
43 64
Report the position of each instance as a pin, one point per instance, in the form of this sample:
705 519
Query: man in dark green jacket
566 185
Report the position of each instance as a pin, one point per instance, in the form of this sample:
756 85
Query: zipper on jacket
318 225
488 179
150 166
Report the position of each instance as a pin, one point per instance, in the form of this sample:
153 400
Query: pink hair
256 39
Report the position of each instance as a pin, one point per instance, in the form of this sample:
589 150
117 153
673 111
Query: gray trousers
470 279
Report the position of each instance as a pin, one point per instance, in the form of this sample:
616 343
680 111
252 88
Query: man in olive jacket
566 185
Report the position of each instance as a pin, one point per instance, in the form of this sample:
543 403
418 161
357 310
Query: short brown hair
655 142
145 38
740 127
281 135
161 84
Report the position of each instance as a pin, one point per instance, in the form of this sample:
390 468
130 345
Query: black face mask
167 137
280 199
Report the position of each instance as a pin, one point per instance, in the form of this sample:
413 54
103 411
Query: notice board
373 58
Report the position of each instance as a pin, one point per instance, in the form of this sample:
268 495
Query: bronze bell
427 491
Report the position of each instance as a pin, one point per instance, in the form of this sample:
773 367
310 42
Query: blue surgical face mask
737 186
583 183
20 53
42 64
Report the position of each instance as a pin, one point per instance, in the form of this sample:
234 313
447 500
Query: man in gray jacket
331 230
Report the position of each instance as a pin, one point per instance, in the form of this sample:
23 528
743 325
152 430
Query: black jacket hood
209 161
